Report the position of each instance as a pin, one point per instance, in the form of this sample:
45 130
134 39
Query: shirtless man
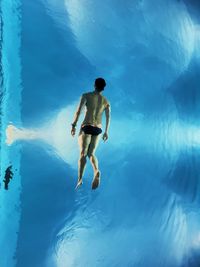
90 131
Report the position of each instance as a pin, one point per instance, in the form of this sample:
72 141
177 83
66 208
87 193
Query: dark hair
100 83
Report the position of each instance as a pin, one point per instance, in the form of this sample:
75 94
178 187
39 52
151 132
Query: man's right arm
78 111
77 114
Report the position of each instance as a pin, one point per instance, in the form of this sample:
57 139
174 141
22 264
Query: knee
90 155
83 155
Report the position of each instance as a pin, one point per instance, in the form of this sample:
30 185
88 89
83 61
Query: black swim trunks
89 129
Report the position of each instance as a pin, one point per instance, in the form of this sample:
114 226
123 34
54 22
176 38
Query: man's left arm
108 116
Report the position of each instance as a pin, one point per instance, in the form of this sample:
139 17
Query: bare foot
96 180
79 183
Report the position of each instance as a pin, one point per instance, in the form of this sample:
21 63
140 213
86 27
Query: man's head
99 84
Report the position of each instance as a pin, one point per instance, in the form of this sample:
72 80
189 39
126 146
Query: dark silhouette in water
8 176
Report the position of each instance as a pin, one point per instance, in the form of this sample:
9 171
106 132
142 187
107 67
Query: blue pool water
146 211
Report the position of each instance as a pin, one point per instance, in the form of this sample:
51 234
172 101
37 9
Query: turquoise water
146 211
10 207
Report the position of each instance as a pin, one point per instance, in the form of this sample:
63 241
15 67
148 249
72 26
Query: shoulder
86 94
106 102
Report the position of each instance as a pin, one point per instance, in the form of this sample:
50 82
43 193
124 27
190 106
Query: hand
73 131
105 137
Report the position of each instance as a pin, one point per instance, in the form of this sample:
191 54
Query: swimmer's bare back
95 104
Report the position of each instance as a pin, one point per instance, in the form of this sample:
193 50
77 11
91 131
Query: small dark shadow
8 176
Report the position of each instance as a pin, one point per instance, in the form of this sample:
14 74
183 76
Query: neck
97 92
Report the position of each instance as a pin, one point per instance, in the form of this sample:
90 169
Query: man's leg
84 141
93 159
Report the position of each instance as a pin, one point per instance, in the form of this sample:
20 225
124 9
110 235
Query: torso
95 105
